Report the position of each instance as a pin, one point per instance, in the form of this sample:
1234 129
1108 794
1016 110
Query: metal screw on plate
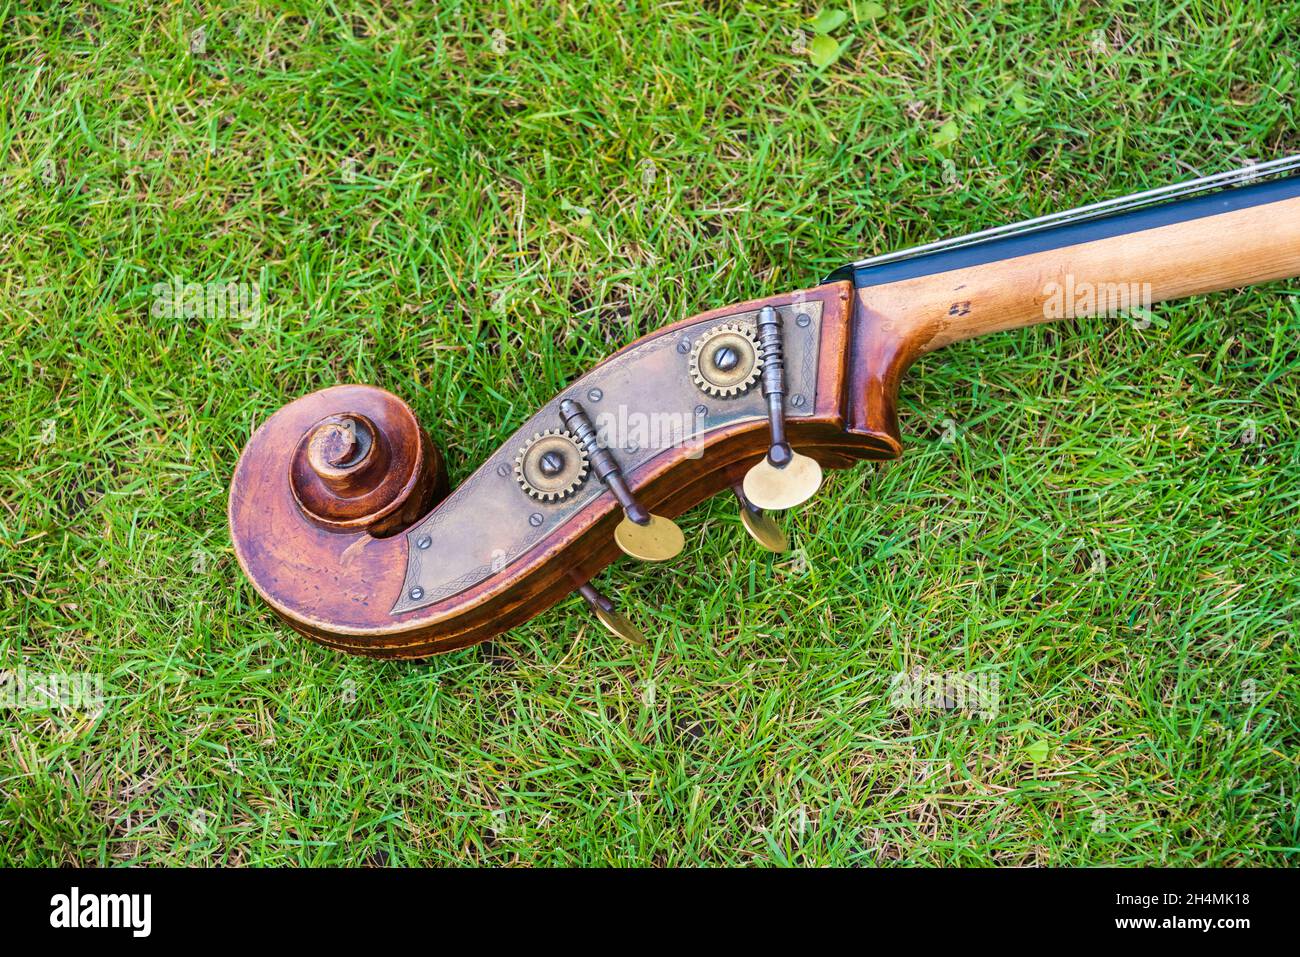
416 593
424 542
802 320
726 358
552 464
535 519
503 470
797 401
701 410
684 346
595 395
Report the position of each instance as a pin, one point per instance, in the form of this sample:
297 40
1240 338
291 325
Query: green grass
504 231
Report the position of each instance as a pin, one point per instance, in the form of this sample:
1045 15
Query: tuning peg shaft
641 534
783 478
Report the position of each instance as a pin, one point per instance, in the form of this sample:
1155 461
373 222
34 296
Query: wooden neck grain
897 322
1204 255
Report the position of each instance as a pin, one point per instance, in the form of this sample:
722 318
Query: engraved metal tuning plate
644 401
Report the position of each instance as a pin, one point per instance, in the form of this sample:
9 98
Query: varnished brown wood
896 323
338 587
365 465
338 583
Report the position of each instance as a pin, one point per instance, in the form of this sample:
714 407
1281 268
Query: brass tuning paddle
609 615
761 526
641 535
784 478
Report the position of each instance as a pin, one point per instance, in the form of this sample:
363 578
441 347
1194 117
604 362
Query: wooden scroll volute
365 465
337 508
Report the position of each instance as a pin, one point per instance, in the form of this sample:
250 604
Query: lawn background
472 204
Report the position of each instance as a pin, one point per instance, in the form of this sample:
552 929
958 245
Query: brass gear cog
726 360
551 466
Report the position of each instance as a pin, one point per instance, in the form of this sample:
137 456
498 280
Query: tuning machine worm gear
642 534
783 478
